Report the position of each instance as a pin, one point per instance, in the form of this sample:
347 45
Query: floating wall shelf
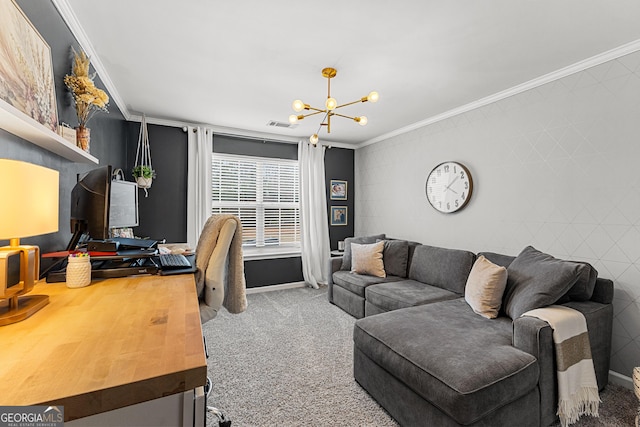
16 122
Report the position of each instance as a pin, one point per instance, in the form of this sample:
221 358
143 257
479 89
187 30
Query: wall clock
449 187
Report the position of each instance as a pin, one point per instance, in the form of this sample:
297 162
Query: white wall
556 167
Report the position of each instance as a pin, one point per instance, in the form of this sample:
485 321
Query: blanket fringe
585 402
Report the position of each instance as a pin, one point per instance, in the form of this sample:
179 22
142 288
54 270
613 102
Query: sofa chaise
429 358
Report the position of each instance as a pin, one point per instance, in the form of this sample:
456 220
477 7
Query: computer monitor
123 206
90 202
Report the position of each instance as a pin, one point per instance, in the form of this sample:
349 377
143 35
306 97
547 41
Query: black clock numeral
440 204
439 172
448 206
466 185
457 204
446 168
433 179
455 170
463 195
462 174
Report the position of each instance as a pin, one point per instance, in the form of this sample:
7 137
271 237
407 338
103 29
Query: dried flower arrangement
87 96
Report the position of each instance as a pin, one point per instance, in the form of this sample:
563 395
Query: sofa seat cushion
462 363
356 283
405 293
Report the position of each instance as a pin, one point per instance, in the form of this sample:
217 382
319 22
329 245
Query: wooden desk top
112 344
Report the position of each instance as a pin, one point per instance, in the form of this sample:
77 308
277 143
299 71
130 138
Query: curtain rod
254 138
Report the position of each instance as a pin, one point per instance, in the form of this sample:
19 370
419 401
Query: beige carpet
288 361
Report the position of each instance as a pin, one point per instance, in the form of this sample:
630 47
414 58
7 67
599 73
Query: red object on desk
64 254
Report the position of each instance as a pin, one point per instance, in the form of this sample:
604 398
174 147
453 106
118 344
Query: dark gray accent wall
163 210
108 131
339 164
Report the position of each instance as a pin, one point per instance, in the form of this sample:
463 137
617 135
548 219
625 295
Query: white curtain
313 212
200 142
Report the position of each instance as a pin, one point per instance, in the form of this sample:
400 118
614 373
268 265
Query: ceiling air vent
277 124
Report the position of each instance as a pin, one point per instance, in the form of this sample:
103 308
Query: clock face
449 187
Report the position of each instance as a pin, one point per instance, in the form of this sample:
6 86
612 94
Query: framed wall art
339 215
26 69
338 190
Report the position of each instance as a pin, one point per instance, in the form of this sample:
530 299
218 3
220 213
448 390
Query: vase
83 136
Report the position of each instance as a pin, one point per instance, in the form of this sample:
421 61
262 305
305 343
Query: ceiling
240 64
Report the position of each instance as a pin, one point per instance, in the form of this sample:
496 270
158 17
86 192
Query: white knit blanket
577 385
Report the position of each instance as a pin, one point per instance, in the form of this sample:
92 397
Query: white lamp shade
29 199
373 96
313 139
331 104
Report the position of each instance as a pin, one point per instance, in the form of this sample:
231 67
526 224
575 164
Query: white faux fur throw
577 385
235 298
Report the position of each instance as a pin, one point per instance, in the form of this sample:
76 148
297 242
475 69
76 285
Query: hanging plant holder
143 171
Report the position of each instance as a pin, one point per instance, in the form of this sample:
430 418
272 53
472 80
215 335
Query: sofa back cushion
582 290
346 257
498 259
395 257
536 280
441 267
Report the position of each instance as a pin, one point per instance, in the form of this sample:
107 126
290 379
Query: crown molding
69 17
531 84
229 131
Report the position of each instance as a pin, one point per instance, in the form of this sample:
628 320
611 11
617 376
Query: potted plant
144 175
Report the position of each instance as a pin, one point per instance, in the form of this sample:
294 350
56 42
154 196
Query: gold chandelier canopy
330 107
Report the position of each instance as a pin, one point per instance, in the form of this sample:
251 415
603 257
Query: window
264 193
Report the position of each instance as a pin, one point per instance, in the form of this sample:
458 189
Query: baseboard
276 287
621 380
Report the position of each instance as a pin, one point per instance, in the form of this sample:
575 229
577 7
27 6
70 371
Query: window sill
252 254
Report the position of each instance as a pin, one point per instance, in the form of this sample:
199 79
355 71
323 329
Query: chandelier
330 106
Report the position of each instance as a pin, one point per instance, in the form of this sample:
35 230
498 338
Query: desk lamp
28 207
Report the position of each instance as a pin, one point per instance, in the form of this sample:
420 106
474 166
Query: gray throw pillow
582 290
346 257
536 280
395 256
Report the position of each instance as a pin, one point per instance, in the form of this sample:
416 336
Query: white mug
341 245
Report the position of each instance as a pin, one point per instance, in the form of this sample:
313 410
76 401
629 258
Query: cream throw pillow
367 259
485 287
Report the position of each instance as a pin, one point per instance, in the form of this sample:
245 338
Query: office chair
220 280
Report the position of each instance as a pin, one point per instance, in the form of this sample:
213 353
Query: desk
116 343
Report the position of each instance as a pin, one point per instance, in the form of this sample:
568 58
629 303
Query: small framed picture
339 215
338 190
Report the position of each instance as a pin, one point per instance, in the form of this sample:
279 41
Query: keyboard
170 261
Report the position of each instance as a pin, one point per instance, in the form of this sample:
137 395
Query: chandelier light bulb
313 139
331 104
293 119
373 96
362 120
297 105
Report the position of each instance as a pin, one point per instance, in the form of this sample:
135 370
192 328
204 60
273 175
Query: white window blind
264 193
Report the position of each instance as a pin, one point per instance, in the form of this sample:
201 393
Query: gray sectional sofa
429 359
